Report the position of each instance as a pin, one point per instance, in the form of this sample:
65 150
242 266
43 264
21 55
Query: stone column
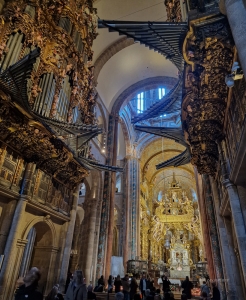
205 227
213 232
236 210
52 270
232 252
134 196
28 252
232 280
9 270
112 202
236 14
8 217
69 239
92 210
106 202
242 196
126 220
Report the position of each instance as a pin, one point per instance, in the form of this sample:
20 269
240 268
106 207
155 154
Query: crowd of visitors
125 288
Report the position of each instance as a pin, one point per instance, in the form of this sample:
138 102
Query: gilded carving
64 32
39 146
208 53
173 10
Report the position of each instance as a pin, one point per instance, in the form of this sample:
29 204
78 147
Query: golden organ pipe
47 93
43 94
10 52
51 95
37 101
17 50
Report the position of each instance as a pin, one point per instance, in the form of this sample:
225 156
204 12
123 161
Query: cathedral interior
123 141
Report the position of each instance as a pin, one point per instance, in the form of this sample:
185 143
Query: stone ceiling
135 62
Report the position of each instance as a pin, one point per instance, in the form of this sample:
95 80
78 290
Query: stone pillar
102 244
213 232
237 280
68 243
205 227
9 269
232 279
238 221
236 210
6 223
134 197
112 202
28 252
242 196
126 220
92 210
51 270
236 14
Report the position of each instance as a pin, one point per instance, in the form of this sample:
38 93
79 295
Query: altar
179 259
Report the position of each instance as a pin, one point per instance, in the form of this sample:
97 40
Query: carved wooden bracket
208 51
35 144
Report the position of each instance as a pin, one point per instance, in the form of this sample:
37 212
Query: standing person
77 288
101 281
134 288
90 294
119 296
205 288
205 296
187 286
29 288
54 294
160 283
143 285
117 284
216 292
110 284
126 287
157 295
165 284
148 295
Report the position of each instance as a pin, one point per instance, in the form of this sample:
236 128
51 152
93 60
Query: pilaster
232 278
69 239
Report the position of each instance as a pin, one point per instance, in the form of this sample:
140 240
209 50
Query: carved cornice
35 144
208 51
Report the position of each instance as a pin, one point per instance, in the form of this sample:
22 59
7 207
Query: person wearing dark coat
133 288
216 292
101 281
110 284
77 289
54 294
117 284
29 289
143 285
187 286
166 284
90 294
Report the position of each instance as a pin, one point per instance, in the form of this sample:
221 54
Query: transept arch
45 220
145 84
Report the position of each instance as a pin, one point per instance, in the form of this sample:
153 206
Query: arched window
82 190
143 100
